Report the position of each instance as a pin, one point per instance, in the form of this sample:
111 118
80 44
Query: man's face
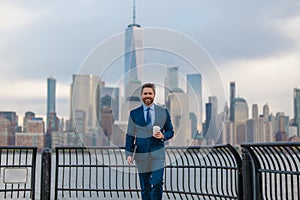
148 96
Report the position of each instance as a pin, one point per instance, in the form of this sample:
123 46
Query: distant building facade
194 91
85 92
9 126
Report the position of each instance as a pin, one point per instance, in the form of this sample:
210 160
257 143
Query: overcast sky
254 43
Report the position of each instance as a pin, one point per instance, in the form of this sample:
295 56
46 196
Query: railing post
46 174
247 174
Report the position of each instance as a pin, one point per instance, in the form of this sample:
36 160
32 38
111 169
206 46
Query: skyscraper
134 58
211 132
114 95
240 117
297 109
85 93
240 110
232 97
51 96
266 112
254 111
194 90
171 82
180 118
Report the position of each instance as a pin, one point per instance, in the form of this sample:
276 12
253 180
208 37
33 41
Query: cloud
32 88
270 79
25 95
290 27
255 43
14 17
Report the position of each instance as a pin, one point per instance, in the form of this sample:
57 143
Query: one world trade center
134 58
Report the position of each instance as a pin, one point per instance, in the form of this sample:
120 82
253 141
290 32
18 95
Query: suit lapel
157 115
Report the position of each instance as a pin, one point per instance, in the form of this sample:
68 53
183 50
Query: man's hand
129 160
158 135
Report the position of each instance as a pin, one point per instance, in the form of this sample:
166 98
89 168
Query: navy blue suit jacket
146 144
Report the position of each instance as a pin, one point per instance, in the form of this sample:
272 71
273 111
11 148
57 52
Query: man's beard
148 101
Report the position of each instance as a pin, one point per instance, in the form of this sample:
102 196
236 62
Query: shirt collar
145 107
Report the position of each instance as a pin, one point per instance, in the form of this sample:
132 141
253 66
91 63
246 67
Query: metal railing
17 170
209 172
271 170
266 171
213 172
93 172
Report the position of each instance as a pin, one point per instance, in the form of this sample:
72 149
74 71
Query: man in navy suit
150 151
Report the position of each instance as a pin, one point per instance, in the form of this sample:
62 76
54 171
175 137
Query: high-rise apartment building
254 111
10 125
171 83
33 134
297 109
240 110
208 117
266 112
28 116
211 132
51 99
226 127
232 97
109 114
4 130
36 125
110 97
281 135
240 116
194 91
85 95
179 114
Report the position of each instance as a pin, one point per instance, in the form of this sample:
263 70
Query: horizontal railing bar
201 167
96 166
16 190
88 147
271 144
167 147
131 166
279 172
17 165
18 147
97 190
200 194
137 190
199 147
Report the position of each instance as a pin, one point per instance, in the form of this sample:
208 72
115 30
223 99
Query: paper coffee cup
156 129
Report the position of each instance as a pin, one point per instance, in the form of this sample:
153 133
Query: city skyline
265 70
260 109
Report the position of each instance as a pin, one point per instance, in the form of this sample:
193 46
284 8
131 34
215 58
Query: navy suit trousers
151 172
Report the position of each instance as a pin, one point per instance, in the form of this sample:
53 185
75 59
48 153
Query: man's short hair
148 85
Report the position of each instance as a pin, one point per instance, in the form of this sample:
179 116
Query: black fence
208 172
271 171
17 171
190 173
266 171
